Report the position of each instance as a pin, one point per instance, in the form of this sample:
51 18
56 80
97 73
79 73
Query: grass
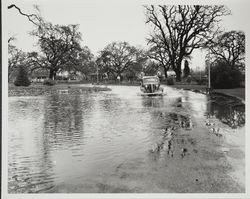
40 89
236 92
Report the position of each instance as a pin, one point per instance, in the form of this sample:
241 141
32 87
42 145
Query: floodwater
118 141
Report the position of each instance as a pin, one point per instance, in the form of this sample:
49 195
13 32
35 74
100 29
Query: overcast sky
104 21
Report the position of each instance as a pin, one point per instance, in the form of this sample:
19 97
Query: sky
102 22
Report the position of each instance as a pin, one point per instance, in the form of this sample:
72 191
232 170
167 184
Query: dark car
150 85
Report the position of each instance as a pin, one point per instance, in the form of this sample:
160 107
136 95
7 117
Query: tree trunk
178 71
178 77
165 72
178 74
52 74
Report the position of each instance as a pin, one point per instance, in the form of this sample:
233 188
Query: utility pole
200 73
209 80
209 74
97 74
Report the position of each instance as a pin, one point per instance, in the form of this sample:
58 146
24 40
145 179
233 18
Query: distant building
39 75
171 73
70 76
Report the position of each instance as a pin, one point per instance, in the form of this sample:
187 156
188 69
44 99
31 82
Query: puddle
230 111
57 143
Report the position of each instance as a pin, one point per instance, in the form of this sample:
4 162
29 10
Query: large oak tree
59 45
118 57
16 57
229 47
182 28
158 53
83 63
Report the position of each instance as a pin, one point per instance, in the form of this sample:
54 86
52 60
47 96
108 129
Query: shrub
170 81
224 76
202 81
186 70
22 77
189 79
49 82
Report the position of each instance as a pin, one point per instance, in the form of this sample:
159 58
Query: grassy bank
40 89
235 92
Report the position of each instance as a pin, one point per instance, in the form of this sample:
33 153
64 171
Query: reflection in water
64 121
38 129
229 111
154 102
29 165
72 140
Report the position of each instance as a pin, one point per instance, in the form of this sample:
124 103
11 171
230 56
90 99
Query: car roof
148 77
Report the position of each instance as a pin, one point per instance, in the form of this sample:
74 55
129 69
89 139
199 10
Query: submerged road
120 142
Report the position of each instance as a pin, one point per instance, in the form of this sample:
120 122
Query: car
150 86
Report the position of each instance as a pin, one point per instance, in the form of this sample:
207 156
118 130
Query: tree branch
29 16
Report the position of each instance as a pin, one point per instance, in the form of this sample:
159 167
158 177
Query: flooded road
119 141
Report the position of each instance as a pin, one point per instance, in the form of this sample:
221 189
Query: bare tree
16 57
159 54
229 47
11 38
182 28
84 62
117 57
34 18
151 68
59 44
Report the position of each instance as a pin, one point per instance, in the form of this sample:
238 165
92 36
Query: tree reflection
153 102
29 167
63 125
230 112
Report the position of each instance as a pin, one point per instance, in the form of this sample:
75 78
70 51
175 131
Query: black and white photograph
124 99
